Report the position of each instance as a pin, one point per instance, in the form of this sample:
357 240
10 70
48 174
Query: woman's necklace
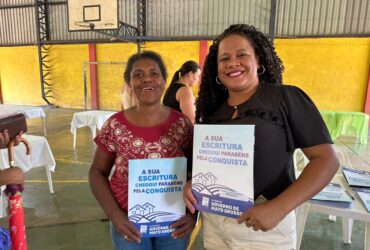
235 113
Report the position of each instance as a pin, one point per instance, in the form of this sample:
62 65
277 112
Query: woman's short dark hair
211 94
145 55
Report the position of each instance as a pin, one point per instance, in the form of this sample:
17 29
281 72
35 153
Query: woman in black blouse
242 84
179 95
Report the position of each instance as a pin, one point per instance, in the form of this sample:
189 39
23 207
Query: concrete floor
72 219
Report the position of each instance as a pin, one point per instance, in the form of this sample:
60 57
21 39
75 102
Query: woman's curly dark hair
211 94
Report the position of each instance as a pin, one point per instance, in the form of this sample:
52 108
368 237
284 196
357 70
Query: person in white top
128 98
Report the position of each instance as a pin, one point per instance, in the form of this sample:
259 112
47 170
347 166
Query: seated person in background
128 98
12 175
179 94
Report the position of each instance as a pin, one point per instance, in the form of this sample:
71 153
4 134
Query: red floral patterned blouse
124 141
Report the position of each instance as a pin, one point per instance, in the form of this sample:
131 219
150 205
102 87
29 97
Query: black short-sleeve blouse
169 98
285 118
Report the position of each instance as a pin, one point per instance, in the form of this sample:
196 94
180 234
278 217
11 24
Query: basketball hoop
92 15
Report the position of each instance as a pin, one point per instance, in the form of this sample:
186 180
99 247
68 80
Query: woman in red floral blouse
147 130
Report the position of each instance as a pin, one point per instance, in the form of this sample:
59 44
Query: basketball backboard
92 14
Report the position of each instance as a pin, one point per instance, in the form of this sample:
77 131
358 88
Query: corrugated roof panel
184 19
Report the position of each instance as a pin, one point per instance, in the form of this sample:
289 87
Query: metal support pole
85 87
141 22
272 20
42 31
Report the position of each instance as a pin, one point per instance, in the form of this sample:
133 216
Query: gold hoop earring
218 81
263 70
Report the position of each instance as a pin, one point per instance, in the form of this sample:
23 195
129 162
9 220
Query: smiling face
237 63
147 82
